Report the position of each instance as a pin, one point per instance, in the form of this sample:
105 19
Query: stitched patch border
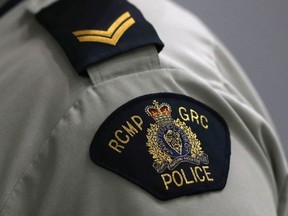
169 144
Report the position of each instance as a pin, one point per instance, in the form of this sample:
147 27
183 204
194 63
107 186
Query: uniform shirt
49 116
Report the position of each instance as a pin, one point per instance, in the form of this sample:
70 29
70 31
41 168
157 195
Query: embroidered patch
171 145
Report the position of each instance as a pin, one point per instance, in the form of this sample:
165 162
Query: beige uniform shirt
49 116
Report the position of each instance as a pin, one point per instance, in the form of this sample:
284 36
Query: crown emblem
159 112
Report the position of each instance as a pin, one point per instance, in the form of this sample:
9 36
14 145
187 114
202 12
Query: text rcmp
130 128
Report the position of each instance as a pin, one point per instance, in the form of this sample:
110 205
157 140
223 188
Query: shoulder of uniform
93 31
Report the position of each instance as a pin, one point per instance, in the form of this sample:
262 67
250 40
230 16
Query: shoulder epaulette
92 31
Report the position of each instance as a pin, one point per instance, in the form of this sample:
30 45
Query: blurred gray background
256 33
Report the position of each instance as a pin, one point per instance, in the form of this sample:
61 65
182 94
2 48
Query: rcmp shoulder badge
178 145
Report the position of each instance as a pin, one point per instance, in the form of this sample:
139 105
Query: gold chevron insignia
111 36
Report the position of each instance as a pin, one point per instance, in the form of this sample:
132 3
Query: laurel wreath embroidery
196 149
161 157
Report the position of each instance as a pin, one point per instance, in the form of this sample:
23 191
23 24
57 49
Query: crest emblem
170 141
154 141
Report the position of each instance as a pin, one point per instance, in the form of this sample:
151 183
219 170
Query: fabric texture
102 30
50 114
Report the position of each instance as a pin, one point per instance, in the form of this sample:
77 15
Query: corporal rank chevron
111 36
170 145
106 29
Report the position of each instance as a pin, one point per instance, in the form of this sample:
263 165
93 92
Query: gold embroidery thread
111 36
171 141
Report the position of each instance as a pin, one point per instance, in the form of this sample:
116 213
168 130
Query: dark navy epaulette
8 5
91 31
